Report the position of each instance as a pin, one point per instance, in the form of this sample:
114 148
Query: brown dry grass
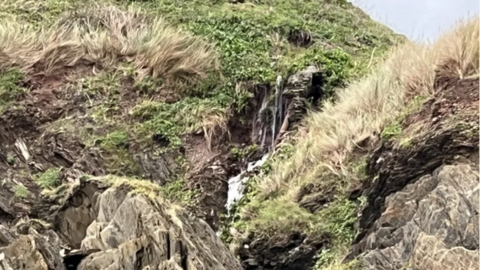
105 37
364 108
328 139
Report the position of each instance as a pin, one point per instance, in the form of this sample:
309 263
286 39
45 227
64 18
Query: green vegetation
48 179
188 115
391 131
113 140
118 159
173 191
10 160
9 85
176 192
241 153
20 191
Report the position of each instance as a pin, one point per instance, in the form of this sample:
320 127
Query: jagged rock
430 224
134 231
115 228
32 251
422 199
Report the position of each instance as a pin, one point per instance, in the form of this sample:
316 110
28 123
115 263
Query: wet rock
281 252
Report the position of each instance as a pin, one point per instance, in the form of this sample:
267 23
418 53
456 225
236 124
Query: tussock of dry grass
106 36
364 108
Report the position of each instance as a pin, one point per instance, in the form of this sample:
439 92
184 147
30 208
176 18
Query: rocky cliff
97 226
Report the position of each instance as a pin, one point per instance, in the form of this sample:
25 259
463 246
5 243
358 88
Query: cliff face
422 209
102 227
429 224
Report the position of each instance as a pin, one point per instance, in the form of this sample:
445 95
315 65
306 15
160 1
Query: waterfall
236 184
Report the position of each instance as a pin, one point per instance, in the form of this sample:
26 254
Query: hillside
123 123
390 166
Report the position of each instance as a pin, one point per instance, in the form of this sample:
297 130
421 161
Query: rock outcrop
422 200
430 224
114 228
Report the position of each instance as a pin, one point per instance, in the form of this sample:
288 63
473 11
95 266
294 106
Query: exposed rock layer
430 224
117 229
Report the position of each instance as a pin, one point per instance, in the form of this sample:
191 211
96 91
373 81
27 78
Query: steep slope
111 88
160 102
387 162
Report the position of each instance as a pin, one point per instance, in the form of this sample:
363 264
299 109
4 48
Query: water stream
236 184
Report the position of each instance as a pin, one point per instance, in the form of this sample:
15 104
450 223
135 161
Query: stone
433 224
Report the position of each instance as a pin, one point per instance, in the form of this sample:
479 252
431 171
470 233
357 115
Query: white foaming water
236 184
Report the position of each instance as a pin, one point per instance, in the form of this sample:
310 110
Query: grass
9 85
48 179
327 142
20 191
368 106
107 36
189 115
192 63
173 192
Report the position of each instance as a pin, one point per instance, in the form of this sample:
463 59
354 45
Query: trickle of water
236 184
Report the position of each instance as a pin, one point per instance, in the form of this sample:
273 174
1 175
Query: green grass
113 140
48 179
189 115
9 86
20 191
176 192
391 131
173 192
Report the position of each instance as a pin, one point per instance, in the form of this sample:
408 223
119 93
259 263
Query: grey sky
420 20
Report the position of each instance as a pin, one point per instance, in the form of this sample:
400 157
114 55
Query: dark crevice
300 38
139 256
184 256
72 259
316 91
169 247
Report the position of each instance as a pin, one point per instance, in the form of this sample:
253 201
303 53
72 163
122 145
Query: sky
419 20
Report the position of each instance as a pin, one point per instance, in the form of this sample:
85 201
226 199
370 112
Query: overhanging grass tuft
107 36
